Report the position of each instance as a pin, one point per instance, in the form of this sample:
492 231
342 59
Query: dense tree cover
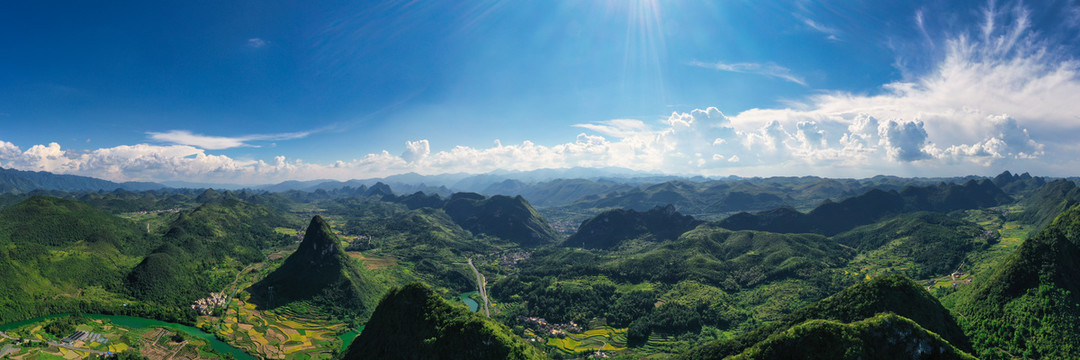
681 286
424 237
892 293
412 322
831 218
885 336
1029 305
64 326
685 308
1044 205
611 228
932 243
321 274
59 255
509 218
56 223
732 259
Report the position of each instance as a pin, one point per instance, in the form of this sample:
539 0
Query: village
206 306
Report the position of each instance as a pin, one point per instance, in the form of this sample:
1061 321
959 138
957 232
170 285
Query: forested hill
319 273
831 218
894 294
508 218
885 337
18 181
412 322
1029 305
610 228
1048 202
50 247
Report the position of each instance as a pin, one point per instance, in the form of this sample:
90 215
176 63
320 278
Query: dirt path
482 283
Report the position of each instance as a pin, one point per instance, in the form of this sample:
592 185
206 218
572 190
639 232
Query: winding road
482 283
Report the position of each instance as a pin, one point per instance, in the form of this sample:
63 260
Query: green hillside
1029 304
412 322
204 248
62 255
508 218
320 275
884 336
892 293
920 245
610 228
1050 200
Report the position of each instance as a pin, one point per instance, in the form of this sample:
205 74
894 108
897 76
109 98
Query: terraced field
604 339
276 336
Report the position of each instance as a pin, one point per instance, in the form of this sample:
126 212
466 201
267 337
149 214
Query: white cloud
184 137
766 69
999 98
618 128
416 150
257 43
830 33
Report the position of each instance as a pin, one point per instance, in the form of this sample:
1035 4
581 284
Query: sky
255 92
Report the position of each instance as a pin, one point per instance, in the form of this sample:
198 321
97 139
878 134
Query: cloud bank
1000 98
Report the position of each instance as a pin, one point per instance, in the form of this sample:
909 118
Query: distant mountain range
831 218
18 181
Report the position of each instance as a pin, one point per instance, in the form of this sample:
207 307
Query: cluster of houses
554 330
511 259
206 306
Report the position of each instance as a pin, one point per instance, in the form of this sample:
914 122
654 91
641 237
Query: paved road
66 346
482 283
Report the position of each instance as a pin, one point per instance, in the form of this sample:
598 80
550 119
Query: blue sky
258 92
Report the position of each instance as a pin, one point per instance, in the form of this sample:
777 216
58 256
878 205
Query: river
473 305
142 323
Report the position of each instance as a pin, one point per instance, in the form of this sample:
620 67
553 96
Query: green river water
473 305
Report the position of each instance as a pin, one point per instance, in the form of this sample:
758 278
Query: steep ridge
610 228
412 322
319 273
1013 184
831 218
1029 306
885 294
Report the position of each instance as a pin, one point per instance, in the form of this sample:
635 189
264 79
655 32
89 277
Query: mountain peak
319 241
321 273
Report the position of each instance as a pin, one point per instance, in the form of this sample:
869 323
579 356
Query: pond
142 323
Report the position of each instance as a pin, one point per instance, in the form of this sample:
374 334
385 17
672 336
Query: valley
303 275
